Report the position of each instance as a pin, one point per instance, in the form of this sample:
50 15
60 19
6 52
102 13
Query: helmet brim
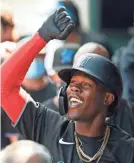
67 73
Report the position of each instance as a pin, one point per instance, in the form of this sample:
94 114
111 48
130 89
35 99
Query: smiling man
84 96
93 89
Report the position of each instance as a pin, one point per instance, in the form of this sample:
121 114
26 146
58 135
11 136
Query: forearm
12 74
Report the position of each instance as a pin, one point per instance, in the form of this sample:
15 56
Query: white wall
30 14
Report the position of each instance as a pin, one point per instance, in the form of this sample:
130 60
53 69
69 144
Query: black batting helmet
100 69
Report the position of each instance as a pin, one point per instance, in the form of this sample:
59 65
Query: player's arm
14 99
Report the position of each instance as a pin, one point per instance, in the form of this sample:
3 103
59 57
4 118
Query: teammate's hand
58 26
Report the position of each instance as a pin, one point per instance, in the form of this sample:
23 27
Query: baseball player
93 89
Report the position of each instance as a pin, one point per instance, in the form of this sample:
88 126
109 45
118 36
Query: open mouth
75 101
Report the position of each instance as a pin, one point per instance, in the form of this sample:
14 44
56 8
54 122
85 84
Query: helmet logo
82 61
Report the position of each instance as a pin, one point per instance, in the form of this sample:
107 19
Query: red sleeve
13 70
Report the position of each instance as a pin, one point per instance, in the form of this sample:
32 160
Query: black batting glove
58 26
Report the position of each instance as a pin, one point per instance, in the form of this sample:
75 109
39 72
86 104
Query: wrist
43 34
41 39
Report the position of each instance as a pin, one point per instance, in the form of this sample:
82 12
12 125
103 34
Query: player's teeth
75 100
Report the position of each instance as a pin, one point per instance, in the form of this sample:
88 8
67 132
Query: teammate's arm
14 99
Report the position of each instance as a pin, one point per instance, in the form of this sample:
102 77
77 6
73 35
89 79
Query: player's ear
109 98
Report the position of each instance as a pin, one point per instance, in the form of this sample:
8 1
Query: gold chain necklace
98 155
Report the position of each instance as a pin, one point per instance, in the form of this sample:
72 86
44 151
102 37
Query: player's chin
72 118
73 115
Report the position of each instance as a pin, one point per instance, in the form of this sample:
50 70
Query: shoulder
121 137
121 145
36 109
38 118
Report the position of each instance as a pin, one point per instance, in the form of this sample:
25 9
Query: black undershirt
90 145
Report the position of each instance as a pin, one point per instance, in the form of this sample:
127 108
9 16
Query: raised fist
58 26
